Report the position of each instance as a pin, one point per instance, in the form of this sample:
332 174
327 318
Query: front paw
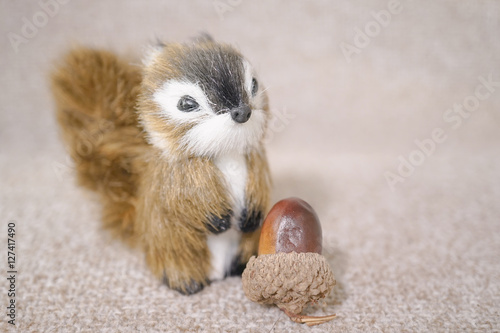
187 288
217 225
250 222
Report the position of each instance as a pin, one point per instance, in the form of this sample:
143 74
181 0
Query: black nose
241 114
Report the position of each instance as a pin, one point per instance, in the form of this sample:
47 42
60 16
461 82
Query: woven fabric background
386 120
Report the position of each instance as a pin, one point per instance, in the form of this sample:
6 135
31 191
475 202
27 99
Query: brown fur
160 203
258 197
96 94
174 235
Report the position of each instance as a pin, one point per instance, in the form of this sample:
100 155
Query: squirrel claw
250 222
217 225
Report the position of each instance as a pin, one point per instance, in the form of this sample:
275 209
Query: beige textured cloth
360 89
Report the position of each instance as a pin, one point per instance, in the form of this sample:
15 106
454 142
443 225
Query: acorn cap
290 280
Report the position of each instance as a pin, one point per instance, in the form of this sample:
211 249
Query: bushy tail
95 94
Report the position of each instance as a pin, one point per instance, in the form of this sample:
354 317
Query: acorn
289 270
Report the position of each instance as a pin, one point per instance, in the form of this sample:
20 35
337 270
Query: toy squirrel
174 151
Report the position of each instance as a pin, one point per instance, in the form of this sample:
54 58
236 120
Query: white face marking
170 93
220 135
223 249
256 101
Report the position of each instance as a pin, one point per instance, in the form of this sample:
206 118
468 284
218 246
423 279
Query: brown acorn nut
291 226
290 270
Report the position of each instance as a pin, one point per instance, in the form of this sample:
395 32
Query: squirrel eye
255 86
187 104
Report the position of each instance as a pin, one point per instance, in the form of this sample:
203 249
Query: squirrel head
201 99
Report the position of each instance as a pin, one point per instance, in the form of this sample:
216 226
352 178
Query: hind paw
187 288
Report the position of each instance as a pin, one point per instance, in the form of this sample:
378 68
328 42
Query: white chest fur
234 169
224 247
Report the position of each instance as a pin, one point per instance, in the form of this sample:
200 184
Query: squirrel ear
203 37
151 52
